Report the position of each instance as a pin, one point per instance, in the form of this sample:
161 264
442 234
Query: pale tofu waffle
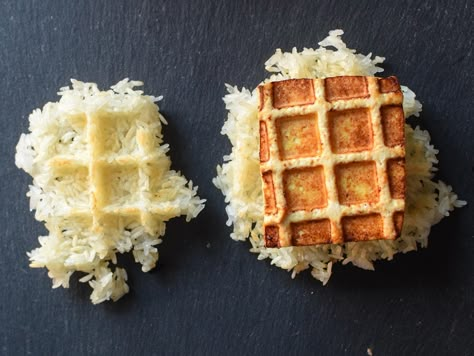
119 183
102 183
332 160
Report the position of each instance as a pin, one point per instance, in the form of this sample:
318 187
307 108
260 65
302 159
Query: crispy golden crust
332 160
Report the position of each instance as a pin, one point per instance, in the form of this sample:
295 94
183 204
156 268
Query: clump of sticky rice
238 177
116 135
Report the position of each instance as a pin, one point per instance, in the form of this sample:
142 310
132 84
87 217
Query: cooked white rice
63 202
239 176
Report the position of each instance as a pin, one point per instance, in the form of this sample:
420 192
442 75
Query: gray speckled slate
221 299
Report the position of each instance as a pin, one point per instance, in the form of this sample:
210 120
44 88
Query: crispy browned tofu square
332 159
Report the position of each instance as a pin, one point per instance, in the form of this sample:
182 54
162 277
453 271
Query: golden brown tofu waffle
332 159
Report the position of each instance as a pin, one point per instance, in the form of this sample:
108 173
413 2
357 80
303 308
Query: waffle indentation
271 236
362 227
269 193
305 188
154 172
396 177
293 92
388 85
72 223
120 132
398 221
72 135
72 182
121 184
298 136
311 232
357 182
264 153
344 88
393 125
350 130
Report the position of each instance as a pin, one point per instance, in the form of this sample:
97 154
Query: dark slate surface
221 299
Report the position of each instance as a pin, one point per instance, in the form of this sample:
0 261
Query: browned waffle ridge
332 160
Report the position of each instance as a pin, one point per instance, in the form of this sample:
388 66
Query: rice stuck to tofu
101 183
427 201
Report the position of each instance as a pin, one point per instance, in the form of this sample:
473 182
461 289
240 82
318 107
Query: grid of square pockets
332 160
117 173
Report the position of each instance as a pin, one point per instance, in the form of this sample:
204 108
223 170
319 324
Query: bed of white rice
239 180
72 244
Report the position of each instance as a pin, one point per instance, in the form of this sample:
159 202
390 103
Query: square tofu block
332 160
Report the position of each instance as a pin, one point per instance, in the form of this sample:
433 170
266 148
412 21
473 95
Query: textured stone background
218 300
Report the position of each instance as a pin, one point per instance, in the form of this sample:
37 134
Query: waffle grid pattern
334 220
120 184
